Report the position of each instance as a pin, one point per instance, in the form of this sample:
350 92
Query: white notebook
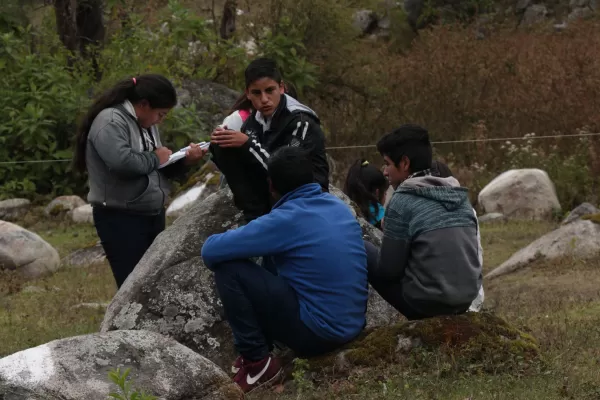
181 154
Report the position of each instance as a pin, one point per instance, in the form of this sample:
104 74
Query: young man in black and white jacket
278 120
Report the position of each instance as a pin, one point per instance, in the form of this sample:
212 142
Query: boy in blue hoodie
317 301
428 264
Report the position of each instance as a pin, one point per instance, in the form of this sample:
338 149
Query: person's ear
405 164
281 88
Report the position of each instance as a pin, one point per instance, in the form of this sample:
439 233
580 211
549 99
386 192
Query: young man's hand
227 138
194 154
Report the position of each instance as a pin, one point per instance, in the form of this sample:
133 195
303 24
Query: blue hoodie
316 245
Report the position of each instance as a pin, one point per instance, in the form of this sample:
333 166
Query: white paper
174 157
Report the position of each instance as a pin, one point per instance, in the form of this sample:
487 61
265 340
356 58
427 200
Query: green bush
41 100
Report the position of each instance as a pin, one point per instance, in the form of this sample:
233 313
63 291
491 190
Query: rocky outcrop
25 252
77 368
172 293
579 239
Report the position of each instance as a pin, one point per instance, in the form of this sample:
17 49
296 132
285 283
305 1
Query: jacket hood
443 190
309 190
294 106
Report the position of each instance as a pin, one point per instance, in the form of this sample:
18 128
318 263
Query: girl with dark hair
119 146
366 186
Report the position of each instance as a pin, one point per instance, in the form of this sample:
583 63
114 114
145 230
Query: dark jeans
246 178
125 237
390 290
261 308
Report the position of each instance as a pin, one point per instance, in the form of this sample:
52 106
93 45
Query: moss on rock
592 217
57 209
472 342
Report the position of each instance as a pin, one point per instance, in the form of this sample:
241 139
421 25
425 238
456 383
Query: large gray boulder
77 368
25 252
171 291
521 194
579 239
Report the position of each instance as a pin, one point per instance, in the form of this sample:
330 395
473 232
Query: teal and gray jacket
122 166
430 245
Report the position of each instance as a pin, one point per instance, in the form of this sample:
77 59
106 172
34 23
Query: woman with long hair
119 146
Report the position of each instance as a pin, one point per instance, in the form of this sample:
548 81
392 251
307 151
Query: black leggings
125 237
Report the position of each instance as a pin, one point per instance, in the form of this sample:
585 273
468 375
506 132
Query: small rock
83 214
27 253
365 21
534 14
560 27
492 217
33 289
63 204
580 211
90 305
13 209
581 13
164 29
87 256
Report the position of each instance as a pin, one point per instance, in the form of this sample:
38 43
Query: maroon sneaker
257 374
237 365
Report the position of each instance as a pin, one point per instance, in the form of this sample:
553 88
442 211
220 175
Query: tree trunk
66 25
80 26
228 19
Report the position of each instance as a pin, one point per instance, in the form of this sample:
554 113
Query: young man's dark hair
405 151
315 299
262 68
278 120
289 168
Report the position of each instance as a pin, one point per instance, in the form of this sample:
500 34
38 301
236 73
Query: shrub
41 100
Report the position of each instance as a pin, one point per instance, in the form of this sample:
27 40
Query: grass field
557 302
